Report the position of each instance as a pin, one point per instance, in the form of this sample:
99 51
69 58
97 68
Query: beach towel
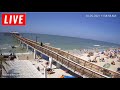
62 76
107 65
69 76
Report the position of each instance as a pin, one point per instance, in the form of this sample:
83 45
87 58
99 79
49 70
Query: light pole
34 49
0 51
36 39
41 44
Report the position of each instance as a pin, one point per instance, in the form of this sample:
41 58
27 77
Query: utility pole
36 39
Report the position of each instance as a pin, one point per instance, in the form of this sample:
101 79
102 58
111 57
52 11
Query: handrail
68 60
114 74
85 61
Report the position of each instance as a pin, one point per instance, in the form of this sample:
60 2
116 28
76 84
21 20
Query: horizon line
65 36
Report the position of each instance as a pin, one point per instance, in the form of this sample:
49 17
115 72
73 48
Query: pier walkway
71 62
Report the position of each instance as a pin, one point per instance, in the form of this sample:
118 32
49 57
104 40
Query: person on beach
27 57
47 63
102 52
98 55
115 55
103 60
11 54
62 76
94 60
110 55
41 44
89 59
38 68
113 63
118 59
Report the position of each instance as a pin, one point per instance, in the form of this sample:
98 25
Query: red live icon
13 19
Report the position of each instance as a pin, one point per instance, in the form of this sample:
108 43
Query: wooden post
68 64
84 63
57 65
20 42
50 62
75 68
27 47
34 54
22 45
45 72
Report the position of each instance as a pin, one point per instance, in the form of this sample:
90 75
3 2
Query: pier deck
71 62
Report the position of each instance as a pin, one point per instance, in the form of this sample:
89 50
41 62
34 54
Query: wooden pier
71 62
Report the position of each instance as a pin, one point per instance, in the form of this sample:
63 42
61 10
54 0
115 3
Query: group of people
89 50
109 53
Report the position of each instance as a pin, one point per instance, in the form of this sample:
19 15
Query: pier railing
75 63
85 63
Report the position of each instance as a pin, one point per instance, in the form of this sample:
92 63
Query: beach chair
118 69
50 71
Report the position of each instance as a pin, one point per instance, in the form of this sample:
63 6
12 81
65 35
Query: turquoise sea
63 42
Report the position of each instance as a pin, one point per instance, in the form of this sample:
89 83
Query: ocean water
70 43
63 42
6 41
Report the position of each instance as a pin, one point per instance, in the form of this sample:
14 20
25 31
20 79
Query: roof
21 69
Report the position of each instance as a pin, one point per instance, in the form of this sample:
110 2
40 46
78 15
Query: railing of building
75 63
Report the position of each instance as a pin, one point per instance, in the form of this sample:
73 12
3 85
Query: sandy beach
106 63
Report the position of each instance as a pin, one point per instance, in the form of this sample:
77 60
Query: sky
74 24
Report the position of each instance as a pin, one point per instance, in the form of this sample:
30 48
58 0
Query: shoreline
105 64
82 53
97 58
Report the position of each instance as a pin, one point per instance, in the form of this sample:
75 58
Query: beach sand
58 72
99 63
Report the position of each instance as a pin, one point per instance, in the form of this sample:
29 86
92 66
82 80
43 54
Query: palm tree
2 60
